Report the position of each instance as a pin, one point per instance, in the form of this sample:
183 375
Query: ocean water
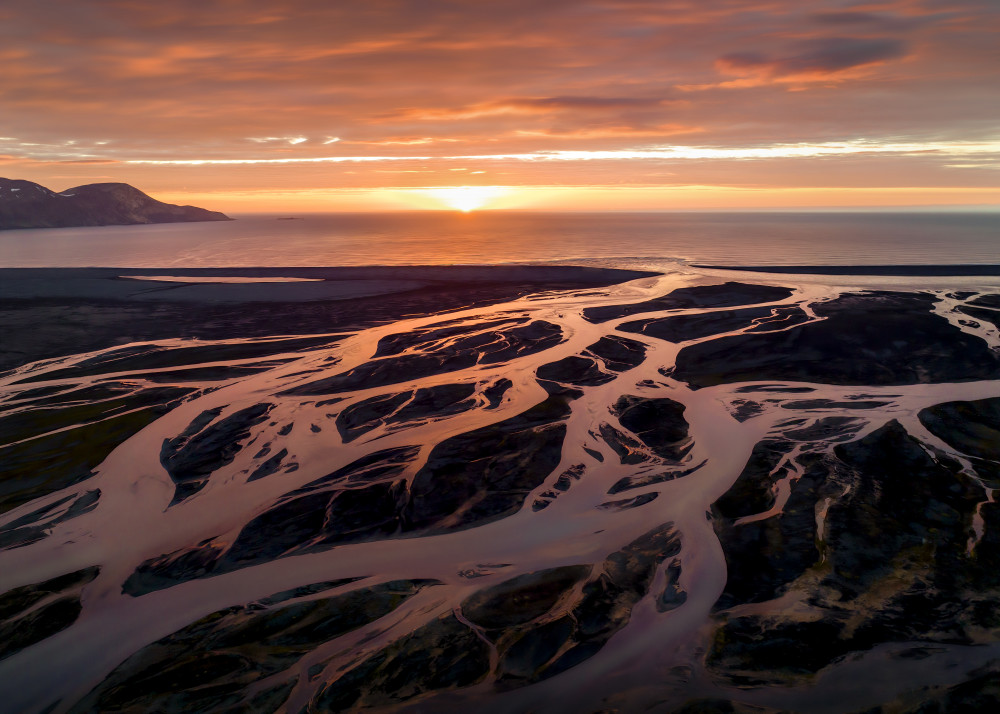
437 238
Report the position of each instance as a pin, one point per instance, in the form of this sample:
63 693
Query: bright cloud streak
780 151
271 139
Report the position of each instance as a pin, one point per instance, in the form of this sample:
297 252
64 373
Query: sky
245 105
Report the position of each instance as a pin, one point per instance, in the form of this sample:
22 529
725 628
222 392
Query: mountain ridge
25 204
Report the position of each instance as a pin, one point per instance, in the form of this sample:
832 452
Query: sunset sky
243 105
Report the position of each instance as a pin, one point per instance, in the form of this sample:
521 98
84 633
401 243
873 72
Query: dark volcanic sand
50 312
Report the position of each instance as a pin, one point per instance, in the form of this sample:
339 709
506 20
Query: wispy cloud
816 60
524 105
603 132
293 140
817 57
400 141
680 153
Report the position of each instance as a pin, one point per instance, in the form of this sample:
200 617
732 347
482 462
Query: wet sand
631 492
899 270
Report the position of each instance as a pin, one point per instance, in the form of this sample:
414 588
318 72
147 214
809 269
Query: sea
494 237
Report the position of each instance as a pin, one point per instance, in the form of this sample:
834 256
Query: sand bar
888 270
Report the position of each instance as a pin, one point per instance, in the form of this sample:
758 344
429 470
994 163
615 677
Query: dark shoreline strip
52 312
889 270
509 272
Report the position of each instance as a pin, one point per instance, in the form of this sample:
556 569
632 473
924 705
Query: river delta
666 489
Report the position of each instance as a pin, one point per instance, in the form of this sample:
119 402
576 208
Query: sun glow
466 198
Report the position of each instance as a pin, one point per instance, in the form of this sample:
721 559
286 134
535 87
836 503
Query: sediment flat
886 270
51 312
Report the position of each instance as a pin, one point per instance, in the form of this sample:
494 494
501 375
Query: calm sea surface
495 237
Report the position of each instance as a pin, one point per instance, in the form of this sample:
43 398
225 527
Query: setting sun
466 198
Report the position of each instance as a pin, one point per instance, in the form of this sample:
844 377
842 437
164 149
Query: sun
466 198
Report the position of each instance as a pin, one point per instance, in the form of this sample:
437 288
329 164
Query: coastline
52 312
876 270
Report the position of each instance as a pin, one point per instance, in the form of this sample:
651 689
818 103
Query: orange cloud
604 132
525 105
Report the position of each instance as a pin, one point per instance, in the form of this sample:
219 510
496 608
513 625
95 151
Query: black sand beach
45 312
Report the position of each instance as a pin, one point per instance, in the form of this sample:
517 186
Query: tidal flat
659 488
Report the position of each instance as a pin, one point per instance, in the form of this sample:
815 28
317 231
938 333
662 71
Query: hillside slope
24 204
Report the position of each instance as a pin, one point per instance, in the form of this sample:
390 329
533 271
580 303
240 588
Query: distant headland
24 204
